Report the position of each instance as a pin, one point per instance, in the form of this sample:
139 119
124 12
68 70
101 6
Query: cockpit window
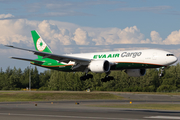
169 54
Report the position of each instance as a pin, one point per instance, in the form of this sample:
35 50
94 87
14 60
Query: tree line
16 79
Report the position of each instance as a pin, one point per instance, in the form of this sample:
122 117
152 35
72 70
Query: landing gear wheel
110 77
83 78
103 80
107 78
162 72
161 75
87 76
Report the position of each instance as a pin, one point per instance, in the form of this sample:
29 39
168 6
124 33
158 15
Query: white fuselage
149 56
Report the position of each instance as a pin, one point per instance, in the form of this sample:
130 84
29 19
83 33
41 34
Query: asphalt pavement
80 110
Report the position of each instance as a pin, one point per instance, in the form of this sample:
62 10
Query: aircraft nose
174 59
171 59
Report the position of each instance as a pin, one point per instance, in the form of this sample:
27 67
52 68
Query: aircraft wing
60 58
27 59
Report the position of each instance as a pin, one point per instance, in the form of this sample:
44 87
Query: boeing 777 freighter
135 62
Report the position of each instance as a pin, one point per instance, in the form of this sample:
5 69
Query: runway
68 110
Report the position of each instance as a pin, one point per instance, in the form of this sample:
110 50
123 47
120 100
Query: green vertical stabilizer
40 45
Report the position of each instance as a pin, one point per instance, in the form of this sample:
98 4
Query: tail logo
41 45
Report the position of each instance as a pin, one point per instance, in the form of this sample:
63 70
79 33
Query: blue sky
147 15
72 26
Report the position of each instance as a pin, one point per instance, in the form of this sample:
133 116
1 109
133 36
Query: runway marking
164 117
59 116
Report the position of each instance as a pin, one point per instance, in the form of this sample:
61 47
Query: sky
79 26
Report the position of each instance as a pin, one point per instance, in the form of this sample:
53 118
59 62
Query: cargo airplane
134 62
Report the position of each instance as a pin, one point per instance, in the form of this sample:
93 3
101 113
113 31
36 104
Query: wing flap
27 59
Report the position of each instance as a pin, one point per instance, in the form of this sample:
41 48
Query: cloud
155 37
150 9
64 8
11 1
64 13
59 34
68 5
6 16
130 35
63 33
48 14
81 37
173 38
14 31
109 36
55 36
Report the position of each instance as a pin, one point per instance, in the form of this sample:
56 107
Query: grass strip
153 106
153 93
53 96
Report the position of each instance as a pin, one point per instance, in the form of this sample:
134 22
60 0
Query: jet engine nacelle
136 72
99 66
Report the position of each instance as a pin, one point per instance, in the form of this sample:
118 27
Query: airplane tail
39 44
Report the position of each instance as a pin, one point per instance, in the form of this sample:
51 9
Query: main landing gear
107 78
86 76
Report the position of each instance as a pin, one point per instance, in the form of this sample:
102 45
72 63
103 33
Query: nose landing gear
161 74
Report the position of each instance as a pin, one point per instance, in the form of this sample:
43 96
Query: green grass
142 106
53 96
154 93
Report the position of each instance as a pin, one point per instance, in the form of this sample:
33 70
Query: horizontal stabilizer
27 59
